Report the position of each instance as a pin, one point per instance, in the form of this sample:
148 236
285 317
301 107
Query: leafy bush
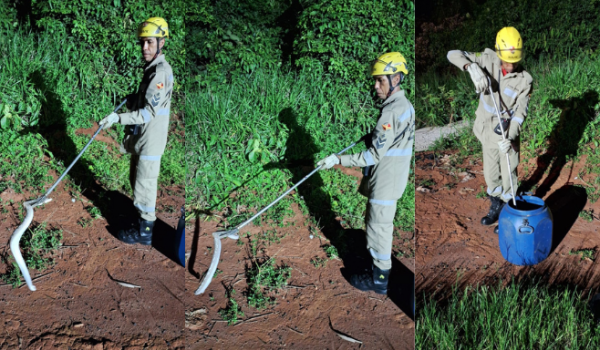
550 28
345 36
65 68
109 28
233 38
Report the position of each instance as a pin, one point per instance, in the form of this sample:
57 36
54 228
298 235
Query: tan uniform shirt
390 151
511 93
151 110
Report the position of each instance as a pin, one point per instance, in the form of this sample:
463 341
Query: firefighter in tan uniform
387 164
148 124
512 87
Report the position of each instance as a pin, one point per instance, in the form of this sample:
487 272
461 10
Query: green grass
48 95
584 253
519 316
232 311
38 245
318 262
264 281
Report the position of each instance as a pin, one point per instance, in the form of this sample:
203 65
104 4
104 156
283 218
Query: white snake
16 237
216 257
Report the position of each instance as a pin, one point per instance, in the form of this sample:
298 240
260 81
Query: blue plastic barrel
525 232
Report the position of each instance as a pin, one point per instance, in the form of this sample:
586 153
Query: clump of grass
331 252
232 311
265 279
318 262
519 316
584 253
427 183
482 193
587 215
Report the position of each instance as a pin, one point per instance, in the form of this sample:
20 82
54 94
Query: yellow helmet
155 27
509 45
389 63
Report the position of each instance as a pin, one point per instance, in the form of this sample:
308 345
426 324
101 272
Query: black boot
496 229
140 233
495 208
375 280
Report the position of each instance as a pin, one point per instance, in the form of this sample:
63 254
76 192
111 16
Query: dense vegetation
278 84
521 315
63 67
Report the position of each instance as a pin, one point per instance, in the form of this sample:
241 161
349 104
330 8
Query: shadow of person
288 22
298 159
565 204
115 207
350 243
401 288
564 140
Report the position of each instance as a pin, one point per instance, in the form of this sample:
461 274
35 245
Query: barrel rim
530 199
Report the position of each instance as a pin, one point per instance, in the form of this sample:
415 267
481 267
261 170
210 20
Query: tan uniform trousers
143 176
496 171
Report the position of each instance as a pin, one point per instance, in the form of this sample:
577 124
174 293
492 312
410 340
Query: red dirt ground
316 301
451 243
77 305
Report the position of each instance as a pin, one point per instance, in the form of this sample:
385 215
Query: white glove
110 120
329 162
504 146
478 77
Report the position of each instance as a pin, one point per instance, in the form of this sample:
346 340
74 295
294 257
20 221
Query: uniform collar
395 97
157 60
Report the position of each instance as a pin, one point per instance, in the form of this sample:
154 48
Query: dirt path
316 301
451 243
77 304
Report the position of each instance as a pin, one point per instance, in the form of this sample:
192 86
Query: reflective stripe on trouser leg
514 162
380 232
146 184
491 170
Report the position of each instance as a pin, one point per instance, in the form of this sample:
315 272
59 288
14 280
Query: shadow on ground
565 204
350 243
564 140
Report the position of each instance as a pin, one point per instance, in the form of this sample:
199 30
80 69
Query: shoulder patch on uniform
160 86
386 127
155 100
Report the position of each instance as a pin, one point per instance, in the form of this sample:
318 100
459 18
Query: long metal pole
512 188
42 198
290 190
233 233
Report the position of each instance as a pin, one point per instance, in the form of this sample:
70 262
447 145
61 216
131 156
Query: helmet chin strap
157 49
392 87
